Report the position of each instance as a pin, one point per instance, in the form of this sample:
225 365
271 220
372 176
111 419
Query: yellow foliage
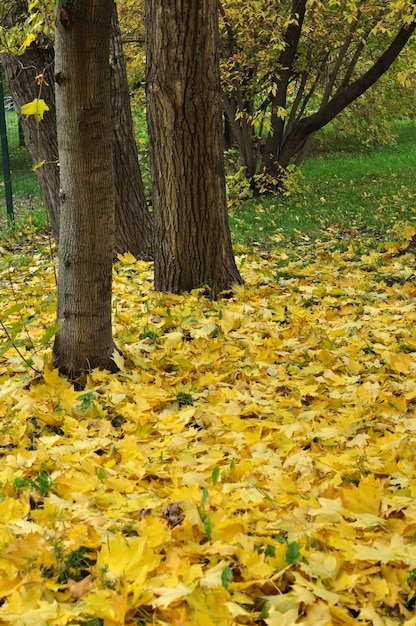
37 108
253 461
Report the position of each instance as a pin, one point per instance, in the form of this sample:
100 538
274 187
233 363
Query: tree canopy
289 68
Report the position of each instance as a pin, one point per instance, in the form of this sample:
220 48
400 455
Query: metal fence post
5 157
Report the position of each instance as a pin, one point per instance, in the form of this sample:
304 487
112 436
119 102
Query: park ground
253 460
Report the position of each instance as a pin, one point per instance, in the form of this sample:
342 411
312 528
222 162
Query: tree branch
347 94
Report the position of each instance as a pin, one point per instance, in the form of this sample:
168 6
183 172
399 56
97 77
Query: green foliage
215 475
412 577
338 43
184 399
142 139
205 518
86 401
74 565
131 19
371 121
226 576
42 483
238 186
151 333
293 553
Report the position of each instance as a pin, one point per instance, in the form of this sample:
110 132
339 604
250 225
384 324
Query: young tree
30 75
193 243
347 81
291 66
87 186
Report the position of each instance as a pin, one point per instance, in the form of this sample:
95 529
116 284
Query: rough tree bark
133 219
21 72
134 229
193 243
87 196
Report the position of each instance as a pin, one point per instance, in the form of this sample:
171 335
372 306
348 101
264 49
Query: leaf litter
253 461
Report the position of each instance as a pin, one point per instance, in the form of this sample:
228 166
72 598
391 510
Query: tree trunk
193 242
87 194
21 72
133 219
134 229
271 156
22 140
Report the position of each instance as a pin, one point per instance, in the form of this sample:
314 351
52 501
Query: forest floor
253 461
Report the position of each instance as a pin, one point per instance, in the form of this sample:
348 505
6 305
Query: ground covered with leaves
253 462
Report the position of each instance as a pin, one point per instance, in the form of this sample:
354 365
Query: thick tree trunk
193 243
86 241
133 219
134 229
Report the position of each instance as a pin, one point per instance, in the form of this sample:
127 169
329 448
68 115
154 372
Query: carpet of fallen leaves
253 462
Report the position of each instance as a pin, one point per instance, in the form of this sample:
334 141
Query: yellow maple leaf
168 595
119 360
321 565
37 108
398 361
286 618
127 258
30 37
11 509
230 320
209 607
377 587
108 604
365 498
127 557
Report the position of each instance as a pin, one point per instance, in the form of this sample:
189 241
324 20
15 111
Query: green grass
344 186
30 217
27 203
352 191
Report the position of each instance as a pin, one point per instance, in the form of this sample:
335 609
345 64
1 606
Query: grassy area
367 189
351 189
27 202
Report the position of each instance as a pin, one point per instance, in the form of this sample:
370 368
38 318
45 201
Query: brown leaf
174 514
80 588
